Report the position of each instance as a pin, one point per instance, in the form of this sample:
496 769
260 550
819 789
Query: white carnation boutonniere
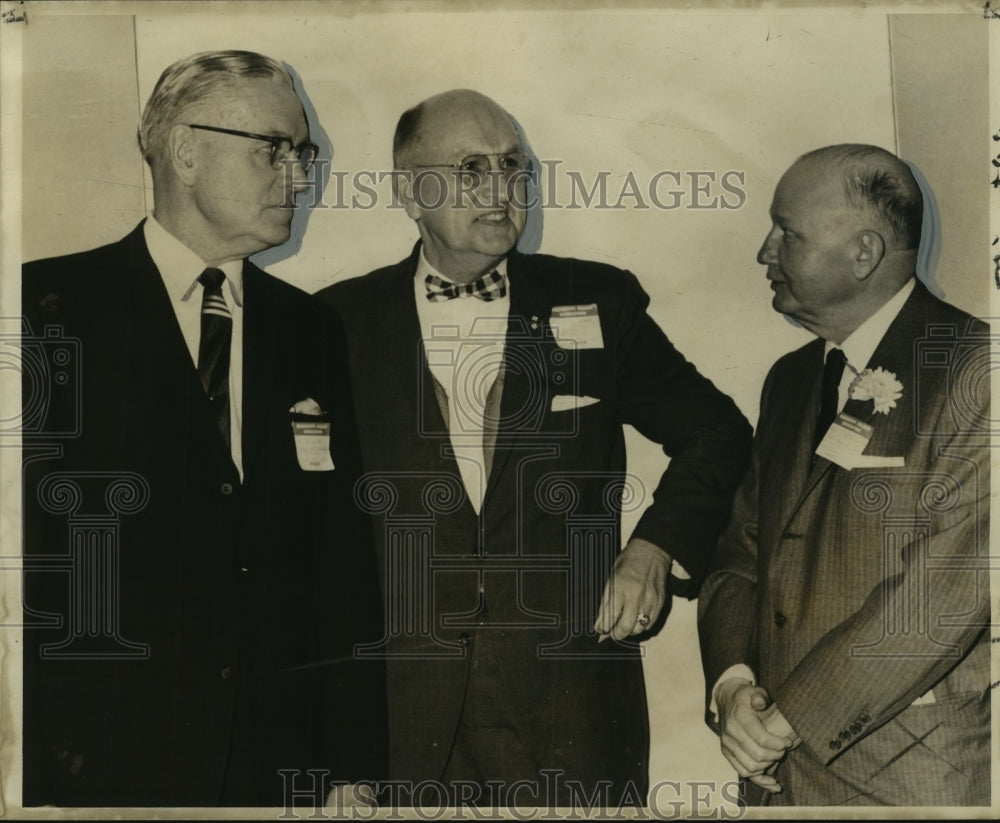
878 385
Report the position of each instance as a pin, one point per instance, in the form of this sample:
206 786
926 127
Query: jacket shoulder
549 268
965 324
276 288
568 280
74 264
355 293
52 283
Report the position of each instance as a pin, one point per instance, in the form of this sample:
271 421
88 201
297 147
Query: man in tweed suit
844 621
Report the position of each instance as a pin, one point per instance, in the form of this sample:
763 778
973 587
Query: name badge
312 445
577 327
844 442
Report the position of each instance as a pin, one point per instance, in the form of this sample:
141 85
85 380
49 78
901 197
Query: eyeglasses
476 167
281 147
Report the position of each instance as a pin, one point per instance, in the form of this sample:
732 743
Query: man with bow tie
844 623
491 389
189 503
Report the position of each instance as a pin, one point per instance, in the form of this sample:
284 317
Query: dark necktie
833 371
213 349
491 286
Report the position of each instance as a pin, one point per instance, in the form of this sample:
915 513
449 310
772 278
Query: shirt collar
180 267
424 268
860 345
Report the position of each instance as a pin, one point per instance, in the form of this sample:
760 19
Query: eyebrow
516 150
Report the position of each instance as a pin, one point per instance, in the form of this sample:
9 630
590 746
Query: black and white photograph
497 410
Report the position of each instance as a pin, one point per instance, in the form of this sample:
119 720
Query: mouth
492 217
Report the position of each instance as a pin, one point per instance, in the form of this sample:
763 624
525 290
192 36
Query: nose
767 255
300 178
492 189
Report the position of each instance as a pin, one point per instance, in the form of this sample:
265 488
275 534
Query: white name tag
844 442
577 327
312 445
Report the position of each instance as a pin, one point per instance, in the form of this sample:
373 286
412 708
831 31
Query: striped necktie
213 348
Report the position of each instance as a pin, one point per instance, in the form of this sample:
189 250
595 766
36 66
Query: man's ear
869 250
182 154
402 184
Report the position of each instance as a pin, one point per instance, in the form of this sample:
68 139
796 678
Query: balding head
433 124
845 228
877 183
464 181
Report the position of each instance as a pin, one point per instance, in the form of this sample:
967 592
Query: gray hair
192 80
877 181
407 133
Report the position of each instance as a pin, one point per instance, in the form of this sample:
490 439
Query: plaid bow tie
491 286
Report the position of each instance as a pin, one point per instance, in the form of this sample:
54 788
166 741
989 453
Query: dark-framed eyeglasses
477 167
281 147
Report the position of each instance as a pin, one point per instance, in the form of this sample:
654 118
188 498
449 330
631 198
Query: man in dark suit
190 460
491 389
844 624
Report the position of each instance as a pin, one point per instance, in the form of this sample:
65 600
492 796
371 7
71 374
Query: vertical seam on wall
138 119
892 85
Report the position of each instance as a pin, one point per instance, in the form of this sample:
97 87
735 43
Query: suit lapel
150 316
259 341
517 401
795 407
162 373
525 382
405 360
893 432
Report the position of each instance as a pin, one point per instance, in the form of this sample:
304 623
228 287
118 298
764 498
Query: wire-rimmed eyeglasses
477 167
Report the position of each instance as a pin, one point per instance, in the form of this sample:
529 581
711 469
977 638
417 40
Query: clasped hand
754 734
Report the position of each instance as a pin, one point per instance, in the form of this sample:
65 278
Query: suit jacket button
226 488
856 727
864 719
835 745
226 672
780 619
464 638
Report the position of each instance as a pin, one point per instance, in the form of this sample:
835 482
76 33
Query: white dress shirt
859 347
464 342
180 268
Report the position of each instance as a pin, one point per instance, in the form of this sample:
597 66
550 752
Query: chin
279 234
500 245
783 303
